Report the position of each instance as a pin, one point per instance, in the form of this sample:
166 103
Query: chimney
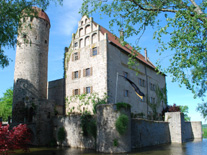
121 32
145 51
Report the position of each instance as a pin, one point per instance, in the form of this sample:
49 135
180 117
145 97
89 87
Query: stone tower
31 65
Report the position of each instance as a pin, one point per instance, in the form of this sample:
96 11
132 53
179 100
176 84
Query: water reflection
189 148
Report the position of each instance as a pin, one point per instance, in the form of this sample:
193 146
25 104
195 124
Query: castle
92 63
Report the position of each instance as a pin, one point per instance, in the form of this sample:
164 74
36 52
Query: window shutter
91 52
78 91
91 71
78 55
84 72
91 89
84 90
72 57
72 75
79 73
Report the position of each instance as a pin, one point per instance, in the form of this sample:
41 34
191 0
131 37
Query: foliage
184 110
10 15
86 100
88 124
61 134
122 105
204 132
202 108
174 108
16 138
6 104
122 124
115 142
184 22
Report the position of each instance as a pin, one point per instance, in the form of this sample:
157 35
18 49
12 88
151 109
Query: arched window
87 41
87 29
81 43
81 23
86 20
81 32
94 38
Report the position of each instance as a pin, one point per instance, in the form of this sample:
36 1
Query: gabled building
94 59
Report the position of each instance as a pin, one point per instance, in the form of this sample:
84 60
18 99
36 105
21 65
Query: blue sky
64 21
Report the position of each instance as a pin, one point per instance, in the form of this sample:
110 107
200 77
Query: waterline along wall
139 132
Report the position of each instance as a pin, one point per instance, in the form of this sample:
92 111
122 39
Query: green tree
184 22
184 110
6 104
10 15
202 108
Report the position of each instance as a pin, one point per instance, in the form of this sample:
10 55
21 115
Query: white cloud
65 18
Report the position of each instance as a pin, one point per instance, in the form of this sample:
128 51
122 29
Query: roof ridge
128 48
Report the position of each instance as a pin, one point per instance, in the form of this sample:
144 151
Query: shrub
61 134
122 124
88 125
16 138
122 105
115 142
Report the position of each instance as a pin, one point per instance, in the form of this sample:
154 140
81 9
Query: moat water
189 148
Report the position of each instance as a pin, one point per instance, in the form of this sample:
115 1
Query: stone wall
149 133
197 129
56 92
181 131
74 132
107 134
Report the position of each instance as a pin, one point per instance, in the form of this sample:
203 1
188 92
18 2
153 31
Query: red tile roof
114 39
42 14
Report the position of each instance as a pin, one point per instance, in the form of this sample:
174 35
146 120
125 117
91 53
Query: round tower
31 65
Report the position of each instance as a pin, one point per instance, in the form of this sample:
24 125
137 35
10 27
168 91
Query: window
81 23
45 41
86 20
76 74
76 92
126 93
88 72
76 44
94 52
142 82
126 74
152 87
24 36
88 90
76 56
152 100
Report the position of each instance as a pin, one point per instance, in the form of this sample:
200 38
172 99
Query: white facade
92 62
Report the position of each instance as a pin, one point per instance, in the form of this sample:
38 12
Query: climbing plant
122 124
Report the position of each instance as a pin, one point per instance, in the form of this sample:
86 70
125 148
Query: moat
189 148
